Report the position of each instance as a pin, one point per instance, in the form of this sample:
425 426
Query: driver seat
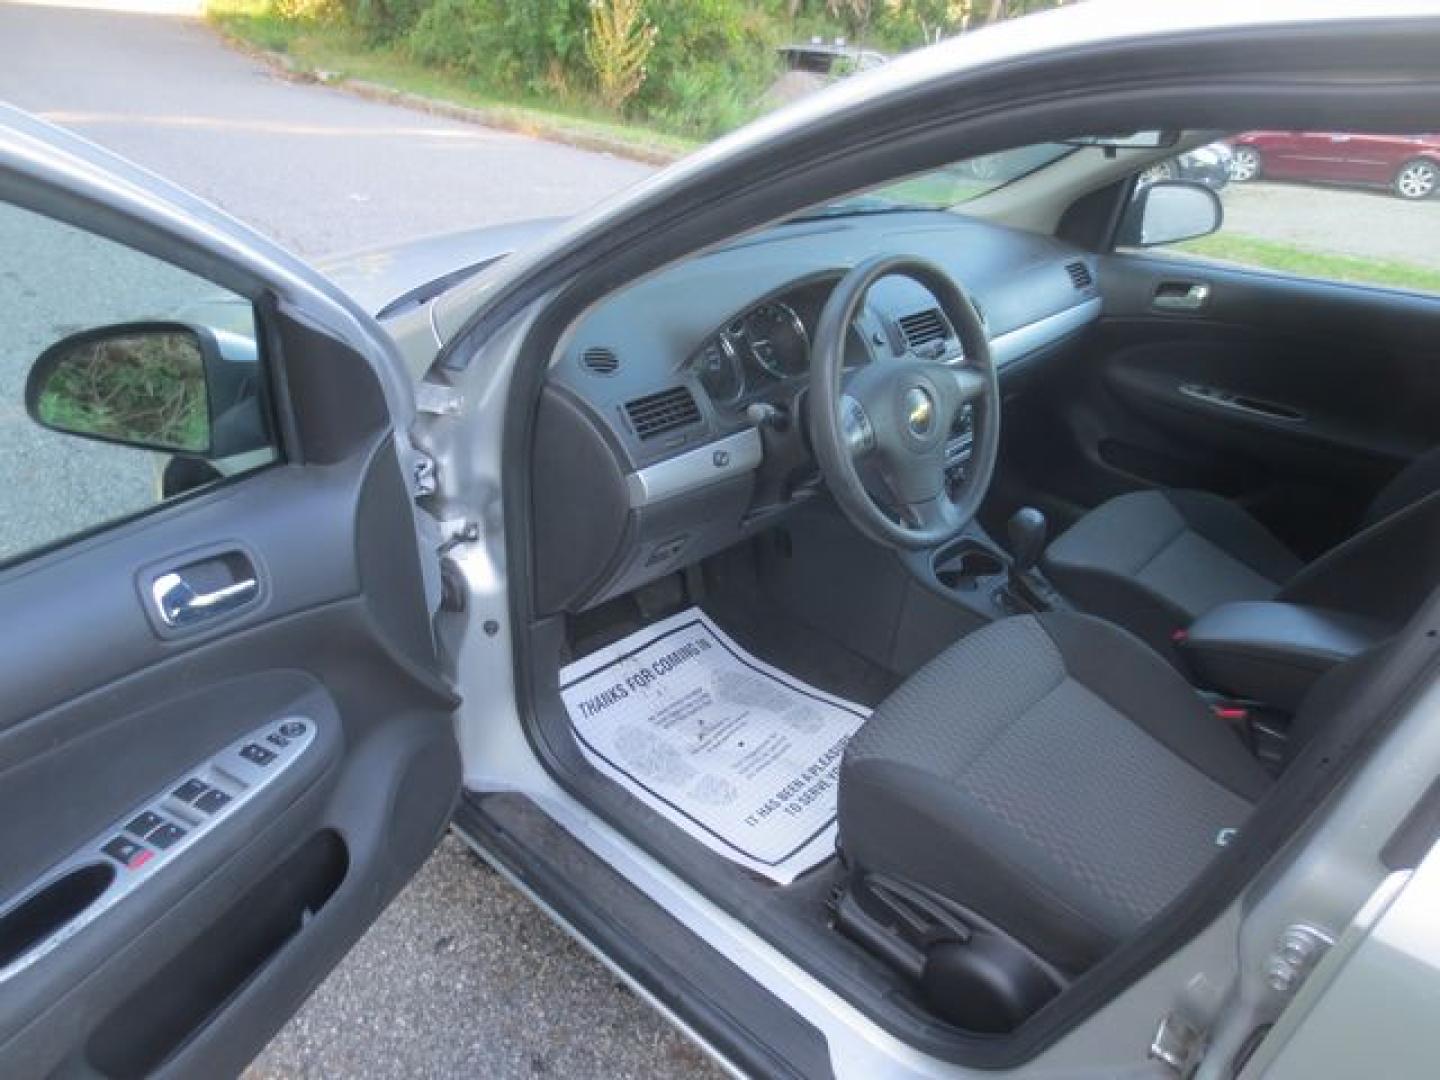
1050 773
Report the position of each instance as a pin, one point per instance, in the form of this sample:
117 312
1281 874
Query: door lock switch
292 729
167 834
257 754
127 852
276 739
144 823
211 801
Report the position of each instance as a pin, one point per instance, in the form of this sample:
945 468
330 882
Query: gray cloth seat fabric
1155 561
1052 774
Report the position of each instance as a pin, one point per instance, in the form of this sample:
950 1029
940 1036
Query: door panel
380 777
201 818
1298 399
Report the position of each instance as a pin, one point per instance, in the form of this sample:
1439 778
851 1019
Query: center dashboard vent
1080 275
923 327
655 414
600 360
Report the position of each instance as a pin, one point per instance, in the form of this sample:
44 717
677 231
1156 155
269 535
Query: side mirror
154 385
1169 211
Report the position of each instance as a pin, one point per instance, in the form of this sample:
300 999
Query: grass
146 390
1304 262
339 52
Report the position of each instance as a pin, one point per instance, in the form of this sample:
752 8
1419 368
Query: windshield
951 186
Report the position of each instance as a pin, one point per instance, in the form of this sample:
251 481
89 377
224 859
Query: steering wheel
894 416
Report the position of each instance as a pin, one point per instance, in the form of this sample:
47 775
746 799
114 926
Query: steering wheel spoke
855 426
969 384
935 516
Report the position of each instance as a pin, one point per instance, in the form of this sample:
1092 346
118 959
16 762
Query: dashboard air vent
1080 275
655 414
600 360
922 327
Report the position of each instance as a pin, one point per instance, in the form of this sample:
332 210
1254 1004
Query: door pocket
180 999
49 910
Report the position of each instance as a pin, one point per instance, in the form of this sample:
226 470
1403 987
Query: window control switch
212 800
191 790
144 823
166 834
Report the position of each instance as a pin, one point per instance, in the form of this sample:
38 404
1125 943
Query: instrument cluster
769 343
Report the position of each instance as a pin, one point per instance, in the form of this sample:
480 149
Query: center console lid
1271 652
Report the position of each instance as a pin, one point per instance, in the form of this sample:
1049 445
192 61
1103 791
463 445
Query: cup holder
965 567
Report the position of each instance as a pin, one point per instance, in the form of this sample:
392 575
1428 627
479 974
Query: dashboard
672 421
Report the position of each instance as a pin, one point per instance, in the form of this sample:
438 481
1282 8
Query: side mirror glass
136 384
1169 211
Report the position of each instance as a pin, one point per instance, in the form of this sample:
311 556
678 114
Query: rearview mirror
1133 140
1169 211
136 384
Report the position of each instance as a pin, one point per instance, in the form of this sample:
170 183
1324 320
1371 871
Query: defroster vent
600 360
1080 275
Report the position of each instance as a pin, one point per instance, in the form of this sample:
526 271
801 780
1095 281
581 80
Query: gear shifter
1026 529
1026 586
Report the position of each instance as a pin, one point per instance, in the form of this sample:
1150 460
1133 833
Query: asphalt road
462 976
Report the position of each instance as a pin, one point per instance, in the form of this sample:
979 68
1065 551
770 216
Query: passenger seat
1155 561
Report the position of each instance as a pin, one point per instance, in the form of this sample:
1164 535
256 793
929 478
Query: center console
972 570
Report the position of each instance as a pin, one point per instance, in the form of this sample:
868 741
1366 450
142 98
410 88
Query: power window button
212 800
143 823
191 790
127 852
257 754
166 835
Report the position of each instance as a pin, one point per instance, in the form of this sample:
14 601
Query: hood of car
398 279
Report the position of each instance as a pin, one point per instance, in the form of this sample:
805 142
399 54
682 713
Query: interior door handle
181 602
1181 295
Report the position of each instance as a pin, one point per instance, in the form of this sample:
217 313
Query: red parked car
1409 165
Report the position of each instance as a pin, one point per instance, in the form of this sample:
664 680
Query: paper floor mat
737 753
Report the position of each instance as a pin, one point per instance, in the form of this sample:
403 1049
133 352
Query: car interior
1100 533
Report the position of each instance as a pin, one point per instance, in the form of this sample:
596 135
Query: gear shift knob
1026 529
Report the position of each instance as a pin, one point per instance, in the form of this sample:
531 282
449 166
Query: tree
618 44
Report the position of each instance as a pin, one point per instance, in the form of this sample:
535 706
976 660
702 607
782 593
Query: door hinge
1296 953
423 480
457 531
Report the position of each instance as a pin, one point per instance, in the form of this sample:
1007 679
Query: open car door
224 741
